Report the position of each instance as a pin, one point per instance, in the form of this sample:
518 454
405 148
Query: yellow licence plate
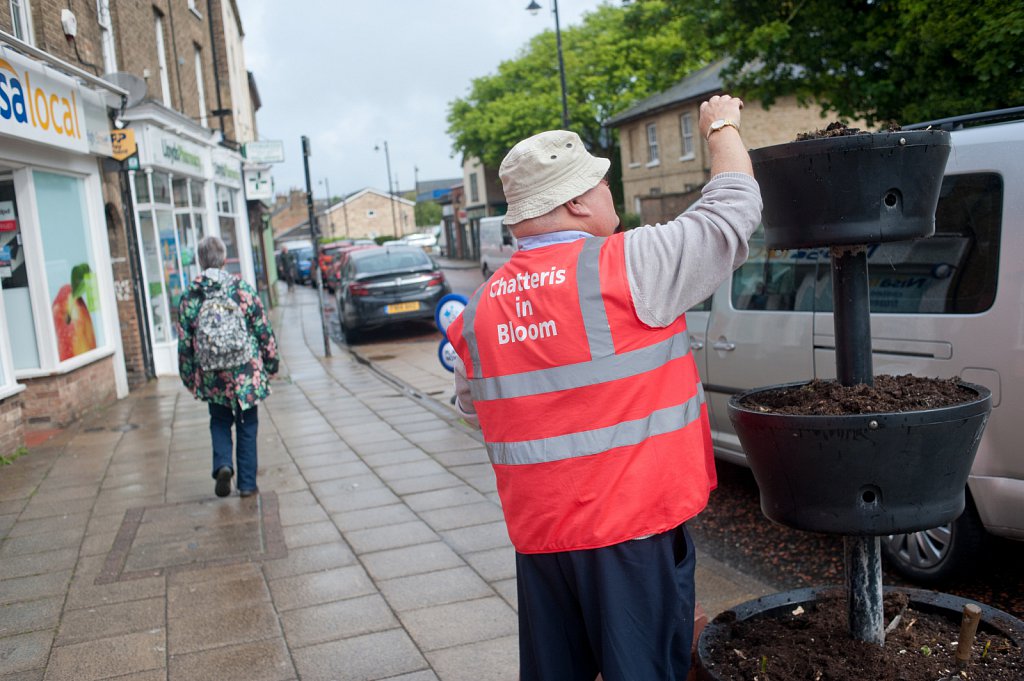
402 307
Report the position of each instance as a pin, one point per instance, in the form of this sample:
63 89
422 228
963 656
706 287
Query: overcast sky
352 74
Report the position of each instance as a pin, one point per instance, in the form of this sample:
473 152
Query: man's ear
578 208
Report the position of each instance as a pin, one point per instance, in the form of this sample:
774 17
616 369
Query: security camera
69 24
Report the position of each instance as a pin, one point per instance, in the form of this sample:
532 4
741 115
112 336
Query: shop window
158 312
161 252
14 281
228 223
71 274
190 225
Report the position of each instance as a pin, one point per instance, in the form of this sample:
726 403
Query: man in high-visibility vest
575 361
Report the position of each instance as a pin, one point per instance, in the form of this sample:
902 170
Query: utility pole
391 191
314 232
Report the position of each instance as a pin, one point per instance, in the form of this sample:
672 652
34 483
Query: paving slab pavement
376 549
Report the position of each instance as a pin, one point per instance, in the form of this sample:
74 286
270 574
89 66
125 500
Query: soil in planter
839 129
813 643
888 394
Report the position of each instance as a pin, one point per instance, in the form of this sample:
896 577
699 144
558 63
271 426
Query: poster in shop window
8 218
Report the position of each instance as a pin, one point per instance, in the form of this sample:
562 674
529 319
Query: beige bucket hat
546 170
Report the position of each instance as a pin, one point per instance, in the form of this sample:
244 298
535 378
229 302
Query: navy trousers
246 424
625 611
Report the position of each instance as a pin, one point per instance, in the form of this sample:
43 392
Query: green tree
427 213
884 60
608 65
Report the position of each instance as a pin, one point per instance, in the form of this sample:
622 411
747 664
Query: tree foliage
608 64
882 60
427 213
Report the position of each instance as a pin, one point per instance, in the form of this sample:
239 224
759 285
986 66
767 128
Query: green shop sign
174 152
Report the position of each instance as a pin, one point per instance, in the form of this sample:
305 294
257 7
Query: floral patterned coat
245 385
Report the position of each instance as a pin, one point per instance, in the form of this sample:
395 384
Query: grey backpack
222 335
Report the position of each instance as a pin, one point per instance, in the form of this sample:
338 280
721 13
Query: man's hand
719 107
728 154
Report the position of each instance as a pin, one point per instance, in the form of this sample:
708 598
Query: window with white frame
21 20
161 56
686 134
474 188
371 213
652 144
200 87
106 36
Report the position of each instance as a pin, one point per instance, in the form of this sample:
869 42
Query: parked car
338 260
388 284
425 240
496 244
949 305
304 264
330 254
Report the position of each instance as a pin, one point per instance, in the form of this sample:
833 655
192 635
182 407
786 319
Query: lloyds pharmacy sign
177 153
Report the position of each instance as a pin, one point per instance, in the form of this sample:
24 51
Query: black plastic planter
716 635
850 190
864 474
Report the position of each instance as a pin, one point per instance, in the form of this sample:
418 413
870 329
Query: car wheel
937 555
351 333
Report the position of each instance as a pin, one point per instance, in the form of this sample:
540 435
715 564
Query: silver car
949 305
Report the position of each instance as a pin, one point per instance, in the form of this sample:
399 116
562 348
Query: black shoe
248 492
223 486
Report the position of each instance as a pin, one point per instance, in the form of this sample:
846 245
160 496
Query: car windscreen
391 261
304 254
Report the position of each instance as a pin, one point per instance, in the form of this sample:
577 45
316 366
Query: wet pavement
375 550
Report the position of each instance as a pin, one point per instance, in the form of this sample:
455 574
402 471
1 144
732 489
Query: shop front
60 349
186 187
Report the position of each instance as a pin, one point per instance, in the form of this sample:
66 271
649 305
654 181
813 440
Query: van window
776 280
952 272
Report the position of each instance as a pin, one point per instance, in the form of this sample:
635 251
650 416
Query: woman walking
226 356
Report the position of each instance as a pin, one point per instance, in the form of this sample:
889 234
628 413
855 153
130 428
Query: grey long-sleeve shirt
673 266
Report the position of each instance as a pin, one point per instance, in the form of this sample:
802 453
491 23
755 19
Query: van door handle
696 344
723 344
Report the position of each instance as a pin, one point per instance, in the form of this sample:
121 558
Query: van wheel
486 271
939 554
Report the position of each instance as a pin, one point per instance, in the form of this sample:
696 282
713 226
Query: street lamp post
314 233
533 8
391 191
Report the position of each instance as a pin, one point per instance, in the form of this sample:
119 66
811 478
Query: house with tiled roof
665 161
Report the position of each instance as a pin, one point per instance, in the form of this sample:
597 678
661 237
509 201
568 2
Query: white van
949 305
496 244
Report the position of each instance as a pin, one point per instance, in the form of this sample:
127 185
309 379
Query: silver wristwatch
719 124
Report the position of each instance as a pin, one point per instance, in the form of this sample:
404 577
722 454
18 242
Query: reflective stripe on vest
660 422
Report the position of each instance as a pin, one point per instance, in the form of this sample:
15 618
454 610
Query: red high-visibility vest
594 422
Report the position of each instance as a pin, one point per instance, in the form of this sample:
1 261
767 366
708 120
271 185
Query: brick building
367 214
94 252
